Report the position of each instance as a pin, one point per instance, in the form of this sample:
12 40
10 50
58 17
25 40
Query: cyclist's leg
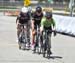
25 32
28 32
33 39
36 37
18 30
33 34
18 35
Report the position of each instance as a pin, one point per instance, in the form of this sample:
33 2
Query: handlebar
50 30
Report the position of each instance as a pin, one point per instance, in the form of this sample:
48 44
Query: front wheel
19 45
44 49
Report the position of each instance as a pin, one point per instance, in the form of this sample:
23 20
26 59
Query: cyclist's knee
19 29
33 32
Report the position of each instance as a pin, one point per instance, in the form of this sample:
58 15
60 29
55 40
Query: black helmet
38 9
48 15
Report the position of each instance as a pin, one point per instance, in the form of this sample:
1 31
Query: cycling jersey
23 18
47 23
36 18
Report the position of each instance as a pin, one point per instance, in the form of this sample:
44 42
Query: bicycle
46 46
38 41
23 37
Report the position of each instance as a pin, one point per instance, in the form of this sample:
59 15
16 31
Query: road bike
38 42
24 37
47 43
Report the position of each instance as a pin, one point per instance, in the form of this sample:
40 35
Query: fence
10 4
13 4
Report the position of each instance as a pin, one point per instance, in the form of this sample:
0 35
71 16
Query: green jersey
47 23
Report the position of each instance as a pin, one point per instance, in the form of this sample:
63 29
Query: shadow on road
54 57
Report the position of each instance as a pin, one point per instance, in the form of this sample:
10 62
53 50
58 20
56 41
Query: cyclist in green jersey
48 23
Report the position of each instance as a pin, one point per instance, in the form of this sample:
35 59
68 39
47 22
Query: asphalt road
63 47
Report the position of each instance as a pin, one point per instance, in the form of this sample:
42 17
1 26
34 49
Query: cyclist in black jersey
36 20
22 18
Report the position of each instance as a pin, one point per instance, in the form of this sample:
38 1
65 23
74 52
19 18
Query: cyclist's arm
17 20
53 24
54 28
42 24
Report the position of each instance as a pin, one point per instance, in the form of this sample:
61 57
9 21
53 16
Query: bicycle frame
37 44
46 46
45 41
24 32
37 32
23 35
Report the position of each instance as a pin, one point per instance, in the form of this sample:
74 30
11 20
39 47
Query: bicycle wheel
49 46
43 50
28 38
48 53
44 44
24 41
39 45
36 44
20 40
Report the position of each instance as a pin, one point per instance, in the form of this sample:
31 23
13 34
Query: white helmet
24 10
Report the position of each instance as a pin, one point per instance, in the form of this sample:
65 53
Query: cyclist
30 9
48 23
22 18
36 20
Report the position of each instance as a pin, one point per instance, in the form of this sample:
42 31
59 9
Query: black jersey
36 18
23 18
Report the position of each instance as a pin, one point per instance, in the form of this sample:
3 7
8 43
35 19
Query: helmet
29 9
24 10
48 15
38 9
